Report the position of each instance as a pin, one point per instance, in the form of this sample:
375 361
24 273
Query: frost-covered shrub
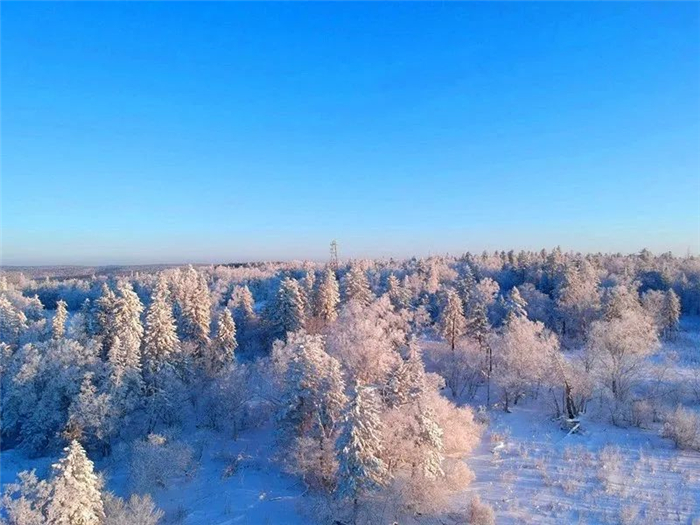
480 513
682 426
137 510
156 461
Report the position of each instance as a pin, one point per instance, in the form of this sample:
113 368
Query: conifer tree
160 337
127 324
357 286
407 382
242 300
58 323
398 295
288 315
12 322
671 312
452 322
195 305
225 344
359 446
104 314
515 305
429 442
75 490
328 297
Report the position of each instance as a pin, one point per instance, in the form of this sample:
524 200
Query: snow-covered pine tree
407 382
195 305
357 286
242 301
12 322
466 286
671 312
398 295
225 344
288 314
308 286
515 305
452 321
127 324
104 314
359 447
328 297
429 442
160 337
58 323
75 497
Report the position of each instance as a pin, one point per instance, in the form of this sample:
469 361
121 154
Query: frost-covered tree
313 387
76 497
12 322
160 338
310 408
359 447
429 442
365 340
58 323
357 286
452 321
407 381
288 314
126 324
516 306
104 314
91 416
308 287
671 313
195 308
521 356
242 301
222 351
328 297
618 348
578 299
620 300
398 295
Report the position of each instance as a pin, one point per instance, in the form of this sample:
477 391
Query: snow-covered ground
526 467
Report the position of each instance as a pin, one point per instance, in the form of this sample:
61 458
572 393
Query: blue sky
207 132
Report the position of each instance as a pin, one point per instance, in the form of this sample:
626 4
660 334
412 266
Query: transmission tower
334 255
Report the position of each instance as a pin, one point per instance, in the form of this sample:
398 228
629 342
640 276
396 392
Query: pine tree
105 306
515 305
242 300
357 286
407 382
58 324
288 315
12 322
398 295
127 324
160 338
671 312
452 322
308 289
429 442
75 490
225 344
359 447
328 297
195 304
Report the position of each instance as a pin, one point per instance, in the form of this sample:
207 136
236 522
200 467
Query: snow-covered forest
530 387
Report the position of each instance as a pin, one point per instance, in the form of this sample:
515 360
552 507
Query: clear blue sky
171 132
